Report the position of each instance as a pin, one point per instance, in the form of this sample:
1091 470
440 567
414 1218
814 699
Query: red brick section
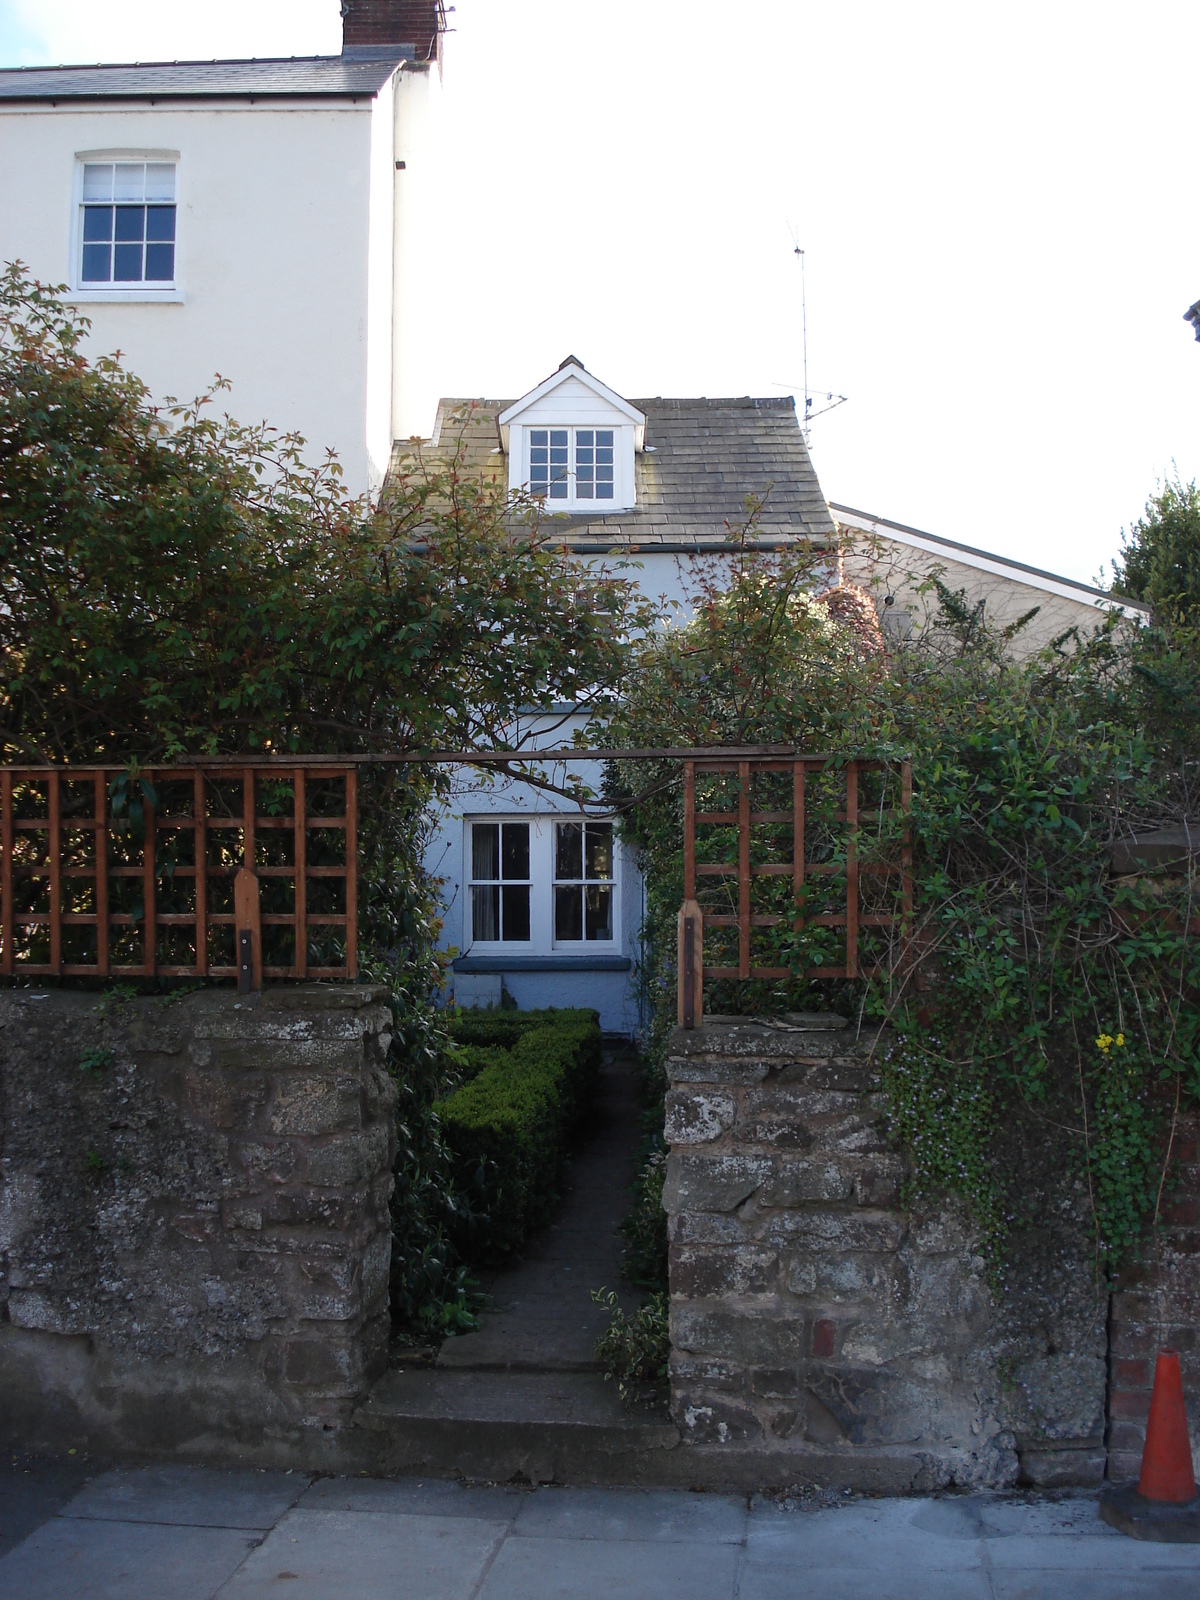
367 23
1158 1306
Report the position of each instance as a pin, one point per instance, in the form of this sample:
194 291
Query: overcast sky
997 203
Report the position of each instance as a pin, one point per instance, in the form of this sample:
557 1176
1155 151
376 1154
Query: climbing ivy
1029 956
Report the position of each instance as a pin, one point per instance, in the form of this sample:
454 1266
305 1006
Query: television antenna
831 400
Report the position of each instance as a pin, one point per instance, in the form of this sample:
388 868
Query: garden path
541 1315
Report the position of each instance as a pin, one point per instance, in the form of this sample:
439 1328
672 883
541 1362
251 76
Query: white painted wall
420 311
283 255
474 795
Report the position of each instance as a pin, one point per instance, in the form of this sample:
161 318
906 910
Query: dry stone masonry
194 1232
817 1320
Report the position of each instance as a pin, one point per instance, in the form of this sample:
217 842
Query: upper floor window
571 464
128 223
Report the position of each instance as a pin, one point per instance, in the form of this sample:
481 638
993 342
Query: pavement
192 1533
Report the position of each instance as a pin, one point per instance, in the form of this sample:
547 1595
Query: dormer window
571 464
572 442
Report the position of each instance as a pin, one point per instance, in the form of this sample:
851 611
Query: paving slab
200 1497
338 1555
876 1537
31 1492
1092 1553
74 1558
660 1516
439 1497
575 1569
1095 1586
798 1583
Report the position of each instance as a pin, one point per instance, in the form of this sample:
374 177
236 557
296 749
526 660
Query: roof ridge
203 61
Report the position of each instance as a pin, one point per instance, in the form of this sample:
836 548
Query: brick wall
375 23
1158 1305
201 1213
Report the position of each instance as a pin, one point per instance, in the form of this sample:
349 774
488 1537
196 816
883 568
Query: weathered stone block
713 1181
707 1271
705 1227
880 1279
697 1116
765 1338
837 1232
306 1104
349 1158
708 1418
799 1183
775 1383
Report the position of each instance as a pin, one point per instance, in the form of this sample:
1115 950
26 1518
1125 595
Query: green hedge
509 1124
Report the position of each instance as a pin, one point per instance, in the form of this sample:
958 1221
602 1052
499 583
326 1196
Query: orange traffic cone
1167 1458
1164 1504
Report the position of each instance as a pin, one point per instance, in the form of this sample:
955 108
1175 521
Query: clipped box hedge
530 1077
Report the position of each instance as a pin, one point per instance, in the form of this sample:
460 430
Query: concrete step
548 1427
571 1427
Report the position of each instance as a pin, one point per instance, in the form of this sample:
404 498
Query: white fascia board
555 381
1063 588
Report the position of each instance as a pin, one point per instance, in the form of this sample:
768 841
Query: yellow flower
1103 1042
1120 1039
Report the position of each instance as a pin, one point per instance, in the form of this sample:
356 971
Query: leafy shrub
644 1259
1025 774
509 1124
635 1352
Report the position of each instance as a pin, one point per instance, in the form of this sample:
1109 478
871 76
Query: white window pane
130 180
160 180
598 863
485 851
485 911
514 861
98 180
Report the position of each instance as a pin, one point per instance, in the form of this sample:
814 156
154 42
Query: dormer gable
572 442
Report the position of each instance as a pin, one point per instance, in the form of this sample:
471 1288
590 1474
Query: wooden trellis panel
852 918
47 832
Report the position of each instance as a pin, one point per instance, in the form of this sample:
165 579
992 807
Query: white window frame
498 946
600 946
153 292
572 501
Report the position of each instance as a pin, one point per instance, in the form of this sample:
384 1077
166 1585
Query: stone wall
194 1231
815 1318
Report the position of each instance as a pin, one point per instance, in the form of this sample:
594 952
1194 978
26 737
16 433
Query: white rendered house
258 219
540 900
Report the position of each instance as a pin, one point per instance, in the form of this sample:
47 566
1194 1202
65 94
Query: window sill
98 297
587 963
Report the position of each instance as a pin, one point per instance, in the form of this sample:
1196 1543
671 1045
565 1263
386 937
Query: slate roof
972 555
309 77
702 459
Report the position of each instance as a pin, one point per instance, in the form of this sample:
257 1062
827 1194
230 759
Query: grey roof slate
305 76
703 458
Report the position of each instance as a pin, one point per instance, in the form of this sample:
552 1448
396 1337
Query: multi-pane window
593 463
500 882
548 453
571 463
128 222
583 881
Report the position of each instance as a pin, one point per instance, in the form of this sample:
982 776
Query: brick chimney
375 26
